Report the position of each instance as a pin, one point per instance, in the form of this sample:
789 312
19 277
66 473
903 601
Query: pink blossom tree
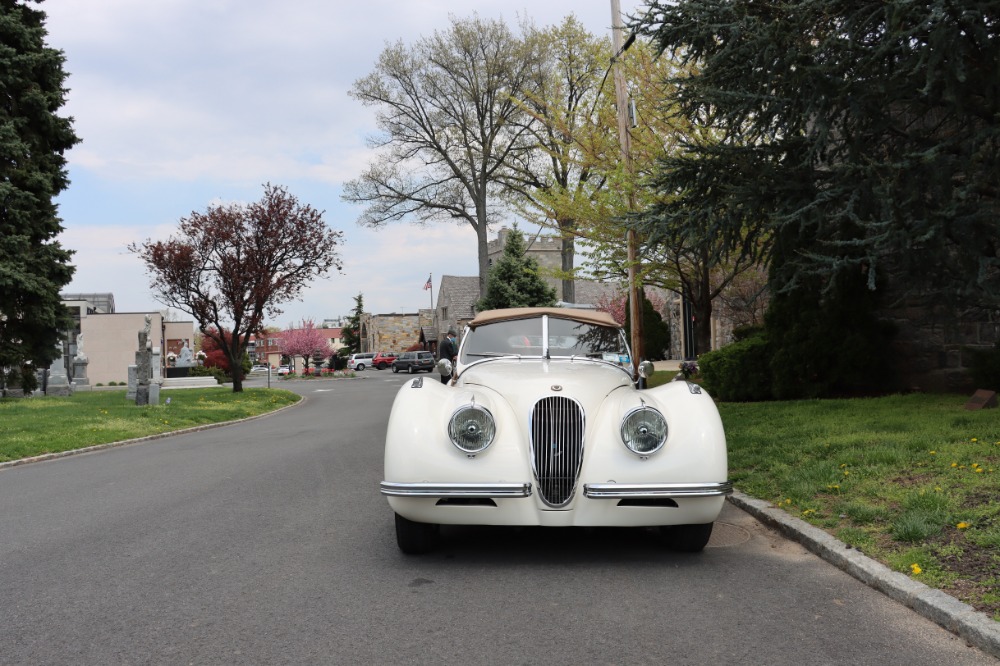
306 341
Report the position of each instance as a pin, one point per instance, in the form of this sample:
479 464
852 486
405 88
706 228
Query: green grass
912 480
34 426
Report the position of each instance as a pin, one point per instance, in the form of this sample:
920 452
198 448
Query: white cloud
180 103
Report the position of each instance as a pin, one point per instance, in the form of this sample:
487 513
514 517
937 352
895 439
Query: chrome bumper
457 490
656 490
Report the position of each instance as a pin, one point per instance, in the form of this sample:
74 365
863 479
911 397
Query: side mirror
444 367
646 369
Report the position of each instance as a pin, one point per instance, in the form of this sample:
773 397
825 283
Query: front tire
394 368
359 366
688 538
416 538
409 369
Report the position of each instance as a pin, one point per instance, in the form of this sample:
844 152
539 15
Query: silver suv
414 361
359 361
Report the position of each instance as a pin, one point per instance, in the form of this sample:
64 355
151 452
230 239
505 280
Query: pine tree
350 336
513 282
33 265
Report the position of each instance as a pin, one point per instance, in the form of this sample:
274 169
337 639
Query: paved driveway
267 542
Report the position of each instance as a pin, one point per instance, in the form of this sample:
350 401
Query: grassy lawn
49 424
910 480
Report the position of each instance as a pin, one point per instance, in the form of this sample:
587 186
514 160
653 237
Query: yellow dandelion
974 439
847 472
843 465
915 568
954 464
963 525
979 470
937 489
933 453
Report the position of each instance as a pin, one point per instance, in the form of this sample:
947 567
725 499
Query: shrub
738 372
205 371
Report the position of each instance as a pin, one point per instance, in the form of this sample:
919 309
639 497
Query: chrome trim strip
451 490
650 490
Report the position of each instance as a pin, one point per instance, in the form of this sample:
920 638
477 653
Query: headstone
982 399
132 383
58 383
143 366
80 380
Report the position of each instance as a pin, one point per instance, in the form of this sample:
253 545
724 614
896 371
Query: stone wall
932 347
391 332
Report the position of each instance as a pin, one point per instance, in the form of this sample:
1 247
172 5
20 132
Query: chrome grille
556 448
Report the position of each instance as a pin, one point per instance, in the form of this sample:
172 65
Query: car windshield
526 337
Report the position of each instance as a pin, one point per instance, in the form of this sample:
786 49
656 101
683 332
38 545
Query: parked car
283 370
414 361
545 425
383 360
359 361
259 368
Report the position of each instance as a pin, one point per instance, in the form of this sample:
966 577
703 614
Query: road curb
976 628
139 440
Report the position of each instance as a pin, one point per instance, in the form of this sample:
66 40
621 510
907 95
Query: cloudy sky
184 103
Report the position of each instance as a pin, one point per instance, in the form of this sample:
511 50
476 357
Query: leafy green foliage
33 138
828 344
739 371
350 334
655 331
513 281
865 130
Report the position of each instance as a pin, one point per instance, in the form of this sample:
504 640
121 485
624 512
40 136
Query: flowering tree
306 341
233 265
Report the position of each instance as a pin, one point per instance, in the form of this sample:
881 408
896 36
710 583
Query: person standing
448 350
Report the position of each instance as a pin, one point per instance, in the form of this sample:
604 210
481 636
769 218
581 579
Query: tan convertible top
509 314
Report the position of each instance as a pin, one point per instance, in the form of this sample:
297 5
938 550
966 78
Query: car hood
529 379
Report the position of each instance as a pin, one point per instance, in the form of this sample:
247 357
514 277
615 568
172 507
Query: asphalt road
267 542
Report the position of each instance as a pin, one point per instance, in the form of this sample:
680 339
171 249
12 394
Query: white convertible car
543 424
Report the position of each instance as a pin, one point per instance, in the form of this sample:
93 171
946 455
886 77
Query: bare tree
234 264
450 126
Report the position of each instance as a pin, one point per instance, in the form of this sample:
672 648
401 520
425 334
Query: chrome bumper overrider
656 490
456 490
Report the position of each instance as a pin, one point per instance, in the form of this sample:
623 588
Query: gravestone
58 383
144 367
80 362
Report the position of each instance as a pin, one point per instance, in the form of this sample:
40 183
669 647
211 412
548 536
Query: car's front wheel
416 538
688 538
409 369
394 368
359 366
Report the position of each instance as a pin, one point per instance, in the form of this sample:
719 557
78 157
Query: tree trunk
484 260
568 255
236 368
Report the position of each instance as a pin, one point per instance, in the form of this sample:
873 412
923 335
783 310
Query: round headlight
472 429
644 431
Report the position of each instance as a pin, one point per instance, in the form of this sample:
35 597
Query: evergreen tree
350 336
33 265
513 281
863 133
655 331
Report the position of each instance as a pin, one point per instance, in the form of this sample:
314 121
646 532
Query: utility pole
621 101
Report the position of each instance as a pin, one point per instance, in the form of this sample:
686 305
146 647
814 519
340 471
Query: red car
383 360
